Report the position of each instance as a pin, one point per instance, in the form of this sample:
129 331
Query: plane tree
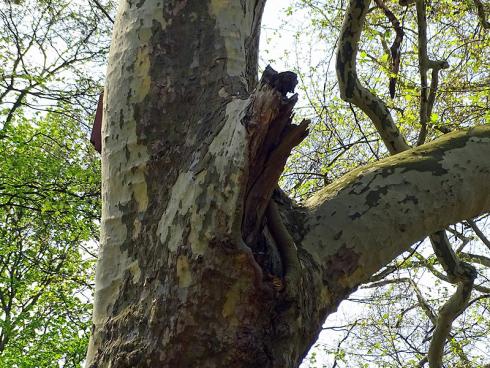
203 260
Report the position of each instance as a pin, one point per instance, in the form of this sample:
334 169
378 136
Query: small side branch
101 8
286 246
395 46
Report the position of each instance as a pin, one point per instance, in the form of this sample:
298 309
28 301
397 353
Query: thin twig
101 8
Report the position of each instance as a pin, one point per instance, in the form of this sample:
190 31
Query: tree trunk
197 266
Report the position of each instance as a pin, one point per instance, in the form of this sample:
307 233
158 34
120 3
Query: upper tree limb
373 214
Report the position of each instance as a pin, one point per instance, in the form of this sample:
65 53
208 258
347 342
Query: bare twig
479 233
342 340
101 8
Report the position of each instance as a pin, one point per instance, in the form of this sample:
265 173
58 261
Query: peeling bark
271 137
399 200
351 89
202 261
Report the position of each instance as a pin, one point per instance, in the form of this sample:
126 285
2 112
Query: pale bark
195 270
377 211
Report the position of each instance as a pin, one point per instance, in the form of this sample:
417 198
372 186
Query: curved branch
350 87
286 246
458 272
395 47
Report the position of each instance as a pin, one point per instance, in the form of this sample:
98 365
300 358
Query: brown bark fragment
96 135
272 136
340 265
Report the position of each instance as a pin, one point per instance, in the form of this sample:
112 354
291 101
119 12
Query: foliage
49 206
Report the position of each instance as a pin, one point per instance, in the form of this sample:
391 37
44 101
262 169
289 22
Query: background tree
49 178
48 211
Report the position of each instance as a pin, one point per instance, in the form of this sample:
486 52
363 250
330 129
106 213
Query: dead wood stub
272 136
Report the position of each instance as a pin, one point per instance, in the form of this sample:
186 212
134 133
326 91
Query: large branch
360 223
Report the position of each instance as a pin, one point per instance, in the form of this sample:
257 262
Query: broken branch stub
271 137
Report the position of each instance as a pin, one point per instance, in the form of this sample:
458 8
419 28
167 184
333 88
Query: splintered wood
272 136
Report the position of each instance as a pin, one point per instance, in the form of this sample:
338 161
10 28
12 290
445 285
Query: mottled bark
197 268
377 211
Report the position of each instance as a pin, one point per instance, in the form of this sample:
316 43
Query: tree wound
272 136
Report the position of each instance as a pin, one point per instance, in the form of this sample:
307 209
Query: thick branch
373 214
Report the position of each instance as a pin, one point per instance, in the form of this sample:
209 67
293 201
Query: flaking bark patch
340 265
